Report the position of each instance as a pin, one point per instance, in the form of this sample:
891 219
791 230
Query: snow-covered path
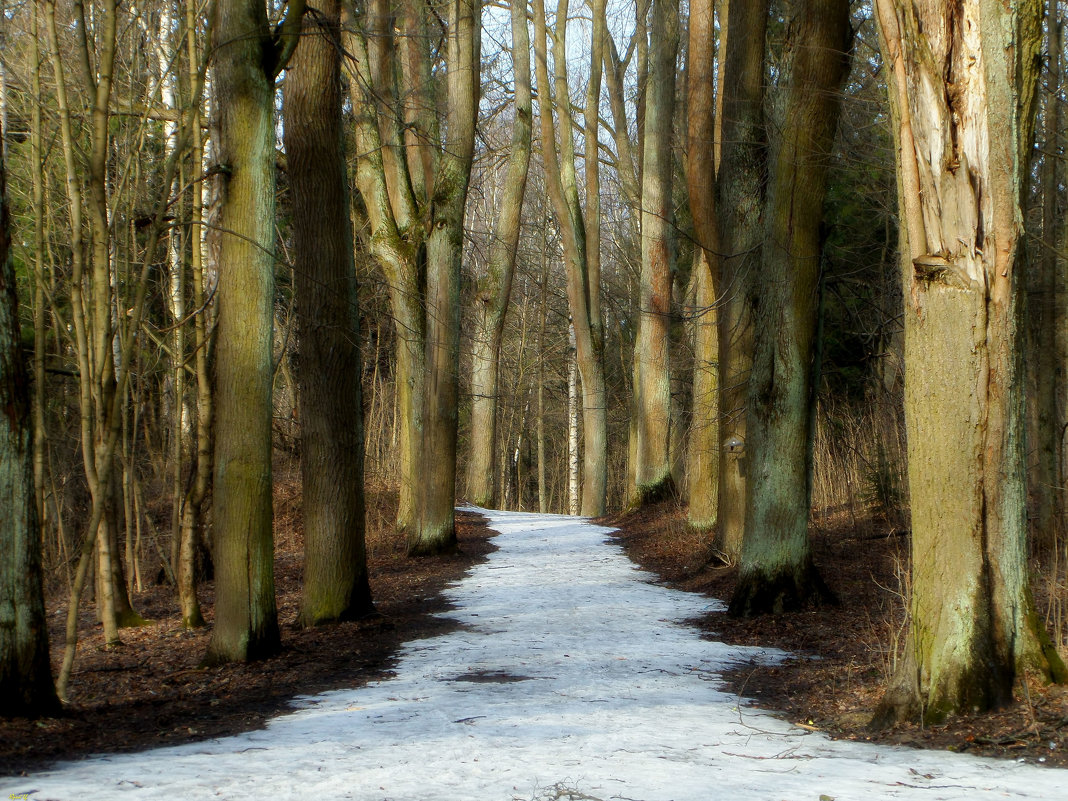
570 672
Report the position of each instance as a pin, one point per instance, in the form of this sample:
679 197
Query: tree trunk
328 365
1045 361
436 531
702 466
25 675
776 572
963 83
495 288
740 198
247 58
652 363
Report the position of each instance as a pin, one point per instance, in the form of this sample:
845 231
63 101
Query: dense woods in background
570 259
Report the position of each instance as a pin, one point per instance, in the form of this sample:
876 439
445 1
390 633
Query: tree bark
436 530
652 374
329 367
776 571
963 81
740 200
25 674
702 465
247 59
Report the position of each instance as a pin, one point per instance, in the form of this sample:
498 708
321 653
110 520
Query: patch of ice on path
571 673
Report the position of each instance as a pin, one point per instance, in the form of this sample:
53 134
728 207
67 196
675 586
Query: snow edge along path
570 671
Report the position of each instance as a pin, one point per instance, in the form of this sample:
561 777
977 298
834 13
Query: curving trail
572 677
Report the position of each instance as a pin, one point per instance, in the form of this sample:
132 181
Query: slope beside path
571 676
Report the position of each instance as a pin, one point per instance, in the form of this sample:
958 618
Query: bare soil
843 655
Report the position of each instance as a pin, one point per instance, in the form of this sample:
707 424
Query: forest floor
151 692
843 655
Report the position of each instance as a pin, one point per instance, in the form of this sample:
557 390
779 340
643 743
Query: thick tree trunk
246 59
963 83
652 364
740 198
495 288
776 572
25 675
328 366
702 455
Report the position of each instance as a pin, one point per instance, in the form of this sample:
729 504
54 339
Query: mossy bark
246 623
963 89
776 566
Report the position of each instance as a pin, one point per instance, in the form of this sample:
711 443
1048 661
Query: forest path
571 676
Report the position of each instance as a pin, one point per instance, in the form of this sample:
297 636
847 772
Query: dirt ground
150 691
845 654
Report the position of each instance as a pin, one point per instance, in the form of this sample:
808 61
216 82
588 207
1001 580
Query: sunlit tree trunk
328 366
702 455
652 373
740 197
495 288
776 565
248 57
963 80
25 673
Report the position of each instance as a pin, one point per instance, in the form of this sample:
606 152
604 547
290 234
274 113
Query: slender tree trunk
192 505
963 81
776 565
574 498
740 200
495 288
328 366
702 466
247 59
25 675
652 363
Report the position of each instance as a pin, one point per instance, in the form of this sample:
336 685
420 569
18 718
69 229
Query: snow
571 676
